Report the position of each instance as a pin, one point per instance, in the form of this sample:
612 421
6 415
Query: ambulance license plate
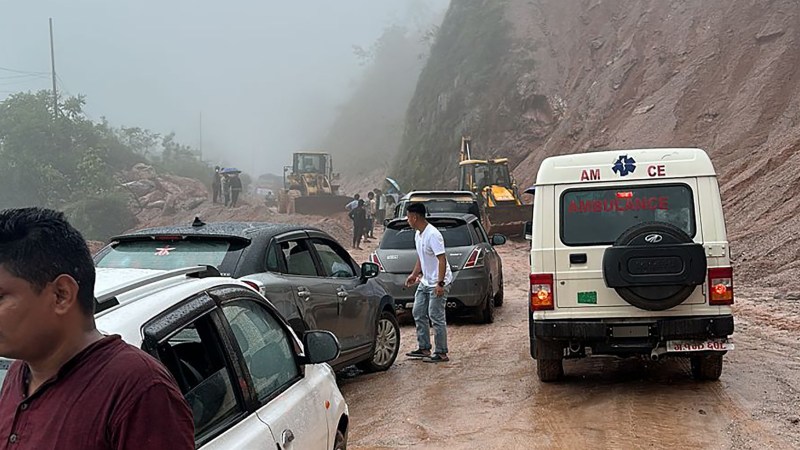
699 346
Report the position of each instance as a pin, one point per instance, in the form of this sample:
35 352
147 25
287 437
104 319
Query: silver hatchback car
477 268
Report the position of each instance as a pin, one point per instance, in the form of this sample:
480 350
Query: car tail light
542 291
475 259
373 258
720 286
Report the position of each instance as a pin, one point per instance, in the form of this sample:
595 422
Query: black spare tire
654 266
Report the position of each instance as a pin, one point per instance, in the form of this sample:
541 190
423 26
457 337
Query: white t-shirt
430 244
351 206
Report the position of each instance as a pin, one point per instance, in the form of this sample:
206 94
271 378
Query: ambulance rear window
600 216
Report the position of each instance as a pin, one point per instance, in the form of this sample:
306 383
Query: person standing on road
226 188
372 210
433 274
236 188
352 205
215 186
71 387
381 206
359 217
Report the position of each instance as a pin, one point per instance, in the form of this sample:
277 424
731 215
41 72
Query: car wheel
707 367
549 365
498 297
487 313
549 370
387 344
340 443
654 266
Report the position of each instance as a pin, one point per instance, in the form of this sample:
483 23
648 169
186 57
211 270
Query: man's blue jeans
430 309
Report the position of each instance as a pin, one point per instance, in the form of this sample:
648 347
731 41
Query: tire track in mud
488 396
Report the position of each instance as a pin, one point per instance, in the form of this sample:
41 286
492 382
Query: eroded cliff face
534 78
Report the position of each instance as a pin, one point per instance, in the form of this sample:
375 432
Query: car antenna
197 222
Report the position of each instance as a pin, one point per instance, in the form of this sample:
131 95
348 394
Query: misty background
267 79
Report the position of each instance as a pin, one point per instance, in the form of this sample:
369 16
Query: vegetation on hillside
470 46
66 161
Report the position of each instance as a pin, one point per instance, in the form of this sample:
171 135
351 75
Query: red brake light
542 297
373 258
168 238
475 259
720 286
253 285
624 194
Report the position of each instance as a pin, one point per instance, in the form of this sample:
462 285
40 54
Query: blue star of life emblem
624 165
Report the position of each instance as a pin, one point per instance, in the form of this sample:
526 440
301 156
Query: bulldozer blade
321 205
508 220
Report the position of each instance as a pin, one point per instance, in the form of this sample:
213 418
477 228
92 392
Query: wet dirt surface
488 395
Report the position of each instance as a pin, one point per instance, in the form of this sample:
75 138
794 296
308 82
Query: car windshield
455 234
165 255
600 216
448 206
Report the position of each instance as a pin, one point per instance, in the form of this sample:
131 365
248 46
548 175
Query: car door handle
341 294
577 258
287 437
303 292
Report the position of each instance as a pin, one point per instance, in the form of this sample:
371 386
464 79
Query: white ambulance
630 256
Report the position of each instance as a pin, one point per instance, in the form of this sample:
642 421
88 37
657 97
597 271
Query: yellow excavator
311 176
491 180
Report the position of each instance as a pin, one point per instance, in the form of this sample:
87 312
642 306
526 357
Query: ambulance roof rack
108 299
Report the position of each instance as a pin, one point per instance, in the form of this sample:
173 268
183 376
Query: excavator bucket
507 219
321 205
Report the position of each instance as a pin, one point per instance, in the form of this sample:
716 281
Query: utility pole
53 70
201 136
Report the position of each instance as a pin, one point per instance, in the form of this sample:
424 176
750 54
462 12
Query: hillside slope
533 78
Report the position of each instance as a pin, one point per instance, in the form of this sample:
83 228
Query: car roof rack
108 299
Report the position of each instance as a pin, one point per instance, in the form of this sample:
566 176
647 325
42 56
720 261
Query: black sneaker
436 358
419 353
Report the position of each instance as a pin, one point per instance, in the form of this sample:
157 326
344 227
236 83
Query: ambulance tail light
373 258
720 286
542 297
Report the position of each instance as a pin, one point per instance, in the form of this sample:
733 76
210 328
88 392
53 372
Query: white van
630 256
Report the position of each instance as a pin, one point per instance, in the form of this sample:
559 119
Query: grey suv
311 279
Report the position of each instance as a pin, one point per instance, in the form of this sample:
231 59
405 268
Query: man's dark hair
371 194
417 208
357 196
38 245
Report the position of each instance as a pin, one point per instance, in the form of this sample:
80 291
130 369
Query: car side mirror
386 222
528 231
498 239
369 270
320 346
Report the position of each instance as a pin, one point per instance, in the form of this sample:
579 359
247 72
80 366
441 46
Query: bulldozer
311 174
502 209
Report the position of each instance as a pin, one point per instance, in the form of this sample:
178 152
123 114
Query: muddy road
488 395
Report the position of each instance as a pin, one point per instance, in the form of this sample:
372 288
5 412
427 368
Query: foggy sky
267 76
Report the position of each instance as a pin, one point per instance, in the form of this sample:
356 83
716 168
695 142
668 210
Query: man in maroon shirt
72 387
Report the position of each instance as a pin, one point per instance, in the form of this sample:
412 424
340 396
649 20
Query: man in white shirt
434 276
352 205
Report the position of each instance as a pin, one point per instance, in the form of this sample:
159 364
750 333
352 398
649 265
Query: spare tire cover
654 266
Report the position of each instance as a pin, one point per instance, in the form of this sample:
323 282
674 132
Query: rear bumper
468 290
636 337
